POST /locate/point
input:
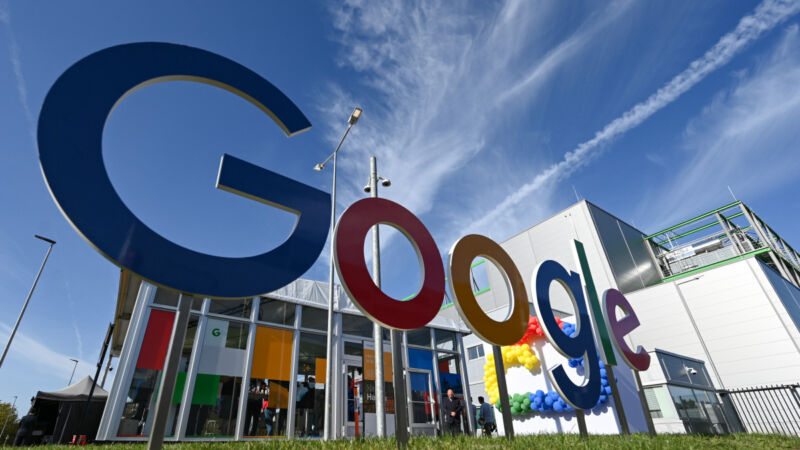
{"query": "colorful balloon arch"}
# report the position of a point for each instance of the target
(521, 354)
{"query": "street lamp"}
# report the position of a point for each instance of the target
(25, 305)
(329, 431)
(73, 371)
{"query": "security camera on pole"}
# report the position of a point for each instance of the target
(377, 331)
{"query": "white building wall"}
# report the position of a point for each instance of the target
(553, 239)
(729, 317)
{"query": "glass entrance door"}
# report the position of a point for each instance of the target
(353, 386)
(422, 402)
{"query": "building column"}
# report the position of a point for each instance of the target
(126, 364)
(191, 373)
(244, 389)
(462, 360)
(293, 373)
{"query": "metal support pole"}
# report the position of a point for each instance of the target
(623, 419)
(724, 225)
(464, 382)
(756, 224)
(69, 383)
(400, 404)
(505, 406)
(170, 373)
(28, 299)
(580, 416)
(380, 395)
(649, 247)
(651, 428)
(105, 372)
(100, 361)
(329, 431)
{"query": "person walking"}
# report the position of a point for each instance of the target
(27, 424)
(486, 418)
(452, 408)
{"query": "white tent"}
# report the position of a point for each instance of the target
(75, 392)
(67, 412)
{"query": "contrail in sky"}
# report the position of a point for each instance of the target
(766, 16)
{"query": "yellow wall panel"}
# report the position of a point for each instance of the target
(272, 354)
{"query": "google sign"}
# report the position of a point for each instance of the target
(361, 216)
(70, 152)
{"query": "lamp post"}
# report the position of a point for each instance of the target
(25, 305)
(73, 371)
(329, 431)
(377, 331)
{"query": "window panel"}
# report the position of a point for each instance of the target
(445, 340)
(234, 308)
(314, 318)
(311, 383)
(135, 421)
(420, 337)
(215, 399)
(356, 325)
(276, 311)
(270, 376)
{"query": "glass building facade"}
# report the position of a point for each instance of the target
(256, 368)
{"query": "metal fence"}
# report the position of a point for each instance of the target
(767, 409)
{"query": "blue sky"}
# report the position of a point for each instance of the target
(486, 116)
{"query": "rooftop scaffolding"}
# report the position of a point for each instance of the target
(726, 234)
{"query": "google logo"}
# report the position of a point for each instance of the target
(69, 135)
(362, 215)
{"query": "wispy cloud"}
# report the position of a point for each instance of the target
(16, 65)
(41, 358)
(75, 328)
(766, 16)
(747, 136)
(438, 79)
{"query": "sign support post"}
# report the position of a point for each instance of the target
(170, 375)
(400, 405)
(508, 423)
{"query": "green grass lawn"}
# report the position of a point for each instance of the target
(552, 441)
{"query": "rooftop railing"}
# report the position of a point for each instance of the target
(729, 233)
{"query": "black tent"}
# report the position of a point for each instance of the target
(63, 413)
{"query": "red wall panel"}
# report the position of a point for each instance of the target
(156, 340)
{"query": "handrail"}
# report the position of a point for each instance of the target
(695, 230)
(695, 219)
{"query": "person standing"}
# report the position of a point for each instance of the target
(24, 435)
(452, 408)
(486, 418)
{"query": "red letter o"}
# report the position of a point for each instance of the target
(350, 234)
